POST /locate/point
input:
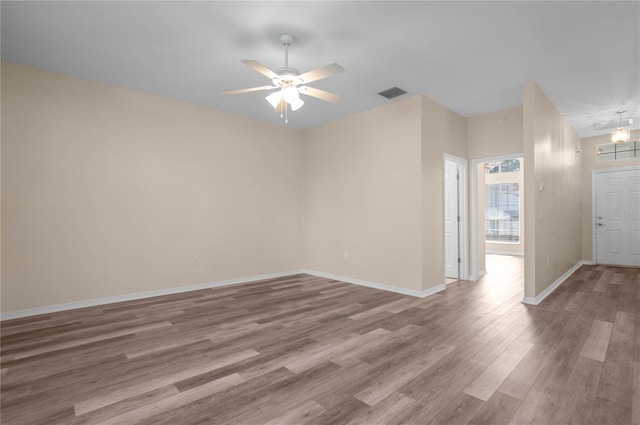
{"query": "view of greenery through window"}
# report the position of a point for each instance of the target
(502, 201)
(506, 166)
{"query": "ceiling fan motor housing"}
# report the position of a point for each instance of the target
(287, 77)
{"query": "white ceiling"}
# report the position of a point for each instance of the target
(472, 57)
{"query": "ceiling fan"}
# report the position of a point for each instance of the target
(290, 83)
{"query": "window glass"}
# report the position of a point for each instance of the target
(502, 214)
(617, 151)
(505, 166)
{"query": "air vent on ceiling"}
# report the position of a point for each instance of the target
(392, 92)
(628, 122)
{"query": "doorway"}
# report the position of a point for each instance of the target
(455, 218)
(616, 217)
(497, 209)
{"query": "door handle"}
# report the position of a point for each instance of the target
(599, 224)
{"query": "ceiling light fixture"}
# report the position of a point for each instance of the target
(289, 82)
(621, 134)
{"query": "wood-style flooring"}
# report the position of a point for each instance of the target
(307, 350)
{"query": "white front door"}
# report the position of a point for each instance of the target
(617, 218)
(451, 214)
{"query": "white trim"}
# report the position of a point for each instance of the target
(140, 295)
(594, 252)
(376, 285)
(475, 274)
(482, 272)
(594, 213)
(199, 286)
(519, 254)
(464, 215)
(544, 294)
(500, 157)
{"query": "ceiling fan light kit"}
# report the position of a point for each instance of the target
(621, 134)
(290, 82)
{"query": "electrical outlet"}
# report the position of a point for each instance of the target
(196, 260)
(346, 255)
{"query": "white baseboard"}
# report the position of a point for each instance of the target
(544, 294)
(375, 285)
(474, 278)
(196, 287)
(140, 295)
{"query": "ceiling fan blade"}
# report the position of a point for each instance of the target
(320, 73)
(257, 66)
(250, 90)
(320, 94)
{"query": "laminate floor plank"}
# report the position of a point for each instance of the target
(536, 409)
(300, 415)
(595, 347)
(384, 411)
(385, 386)
(459, 411)
(102, 400)
(616, 381)
(498, 410)
(174, 401)
(555, 373)
(124, 406)
(635, 408)
(308, 350)
(579, 394)
(492, 377)
(520, 381)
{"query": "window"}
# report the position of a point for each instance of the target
(618, 151)
(506, 166)
(502, 215)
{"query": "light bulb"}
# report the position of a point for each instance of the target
(621, 134)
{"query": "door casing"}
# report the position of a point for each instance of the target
(464, 215)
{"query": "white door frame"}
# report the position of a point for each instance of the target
(463, 207)
(475, 238)
(594, 173)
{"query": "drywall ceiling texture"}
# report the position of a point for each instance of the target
(108, 192)
(471, 57)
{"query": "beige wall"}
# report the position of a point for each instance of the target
(443, 132)
(589, 164)
(362, 198)
(553, 241)
(373, 203)
(495, 134)
(107, 192)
